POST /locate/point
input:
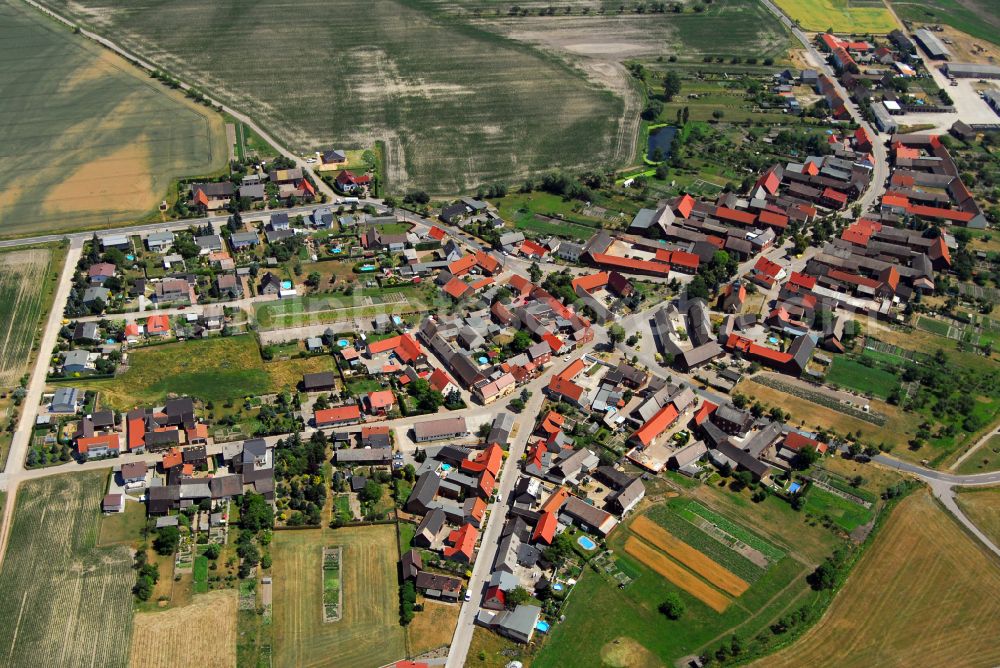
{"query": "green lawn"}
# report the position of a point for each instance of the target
(406, 532)
(845, 514)
(363, 386)
(986, 458)
(213, 369)
(201, 574)
(933, 326)
(846, 372)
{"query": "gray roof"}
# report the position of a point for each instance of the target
(95, 293)
(76, 358)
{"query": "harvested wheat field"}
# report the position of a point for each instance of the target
(22, 298)
(659, 537)
(679, 576)
(200, 634)
(925, 594)
(432, 627)
(89, 139)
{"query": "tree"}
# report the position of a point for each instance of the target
(372, 492)
(521, 341)
(256, 513)
(167, 539)
(805, 458)
(535, 272)
(671, 85)
(672, 606)
(517, 596)
(212, 551)
(616, 333)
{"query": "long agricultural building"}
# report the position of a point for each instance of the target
(971, 71)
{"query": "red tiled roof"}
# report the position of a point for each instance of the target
(487, 482)
(593, 281)
(572, 370)
(381, 399)
(456, 288)
(478, 509)
(172, 458)
(136, 433)
(338, 414)
(939, 249)
(489, 460)
(627, 263)
(684, 206)
(657, 424)
(552, 423)
(157, 324)
(807, 282)
(856, 236)
(83, 445)
(735, 342)
(521, 284)
(462, 265)
(835, 195)
(529, 247)
(706, 409)
(463, 541)
(565, 388)
(773, 219)
(735, 215)
(555, 501)
(943, 214)
(555, 343)
(481, 283)
(439, 380)
(795, 441)
(854, 279)
(404, 346)
(767, 267)
(487, 262)
(436, 232)
(545, 530)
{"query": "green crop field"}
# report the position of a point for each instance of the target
(88, 139)
(27, 286)
(979, 18)
(64, 601)
(368, 633)
(843, 16)
(854, 375)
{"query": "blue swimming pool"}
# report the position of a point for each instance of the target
(557, 587)
(446, 467)
(335, 251)
(286, 285)
(343, 343)
(542, 626)
(773, 341)
(483, 360)
(794, 487)
(586, 543)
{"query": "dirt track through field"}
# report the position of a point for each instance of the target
(659, 537)
(659, 562)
